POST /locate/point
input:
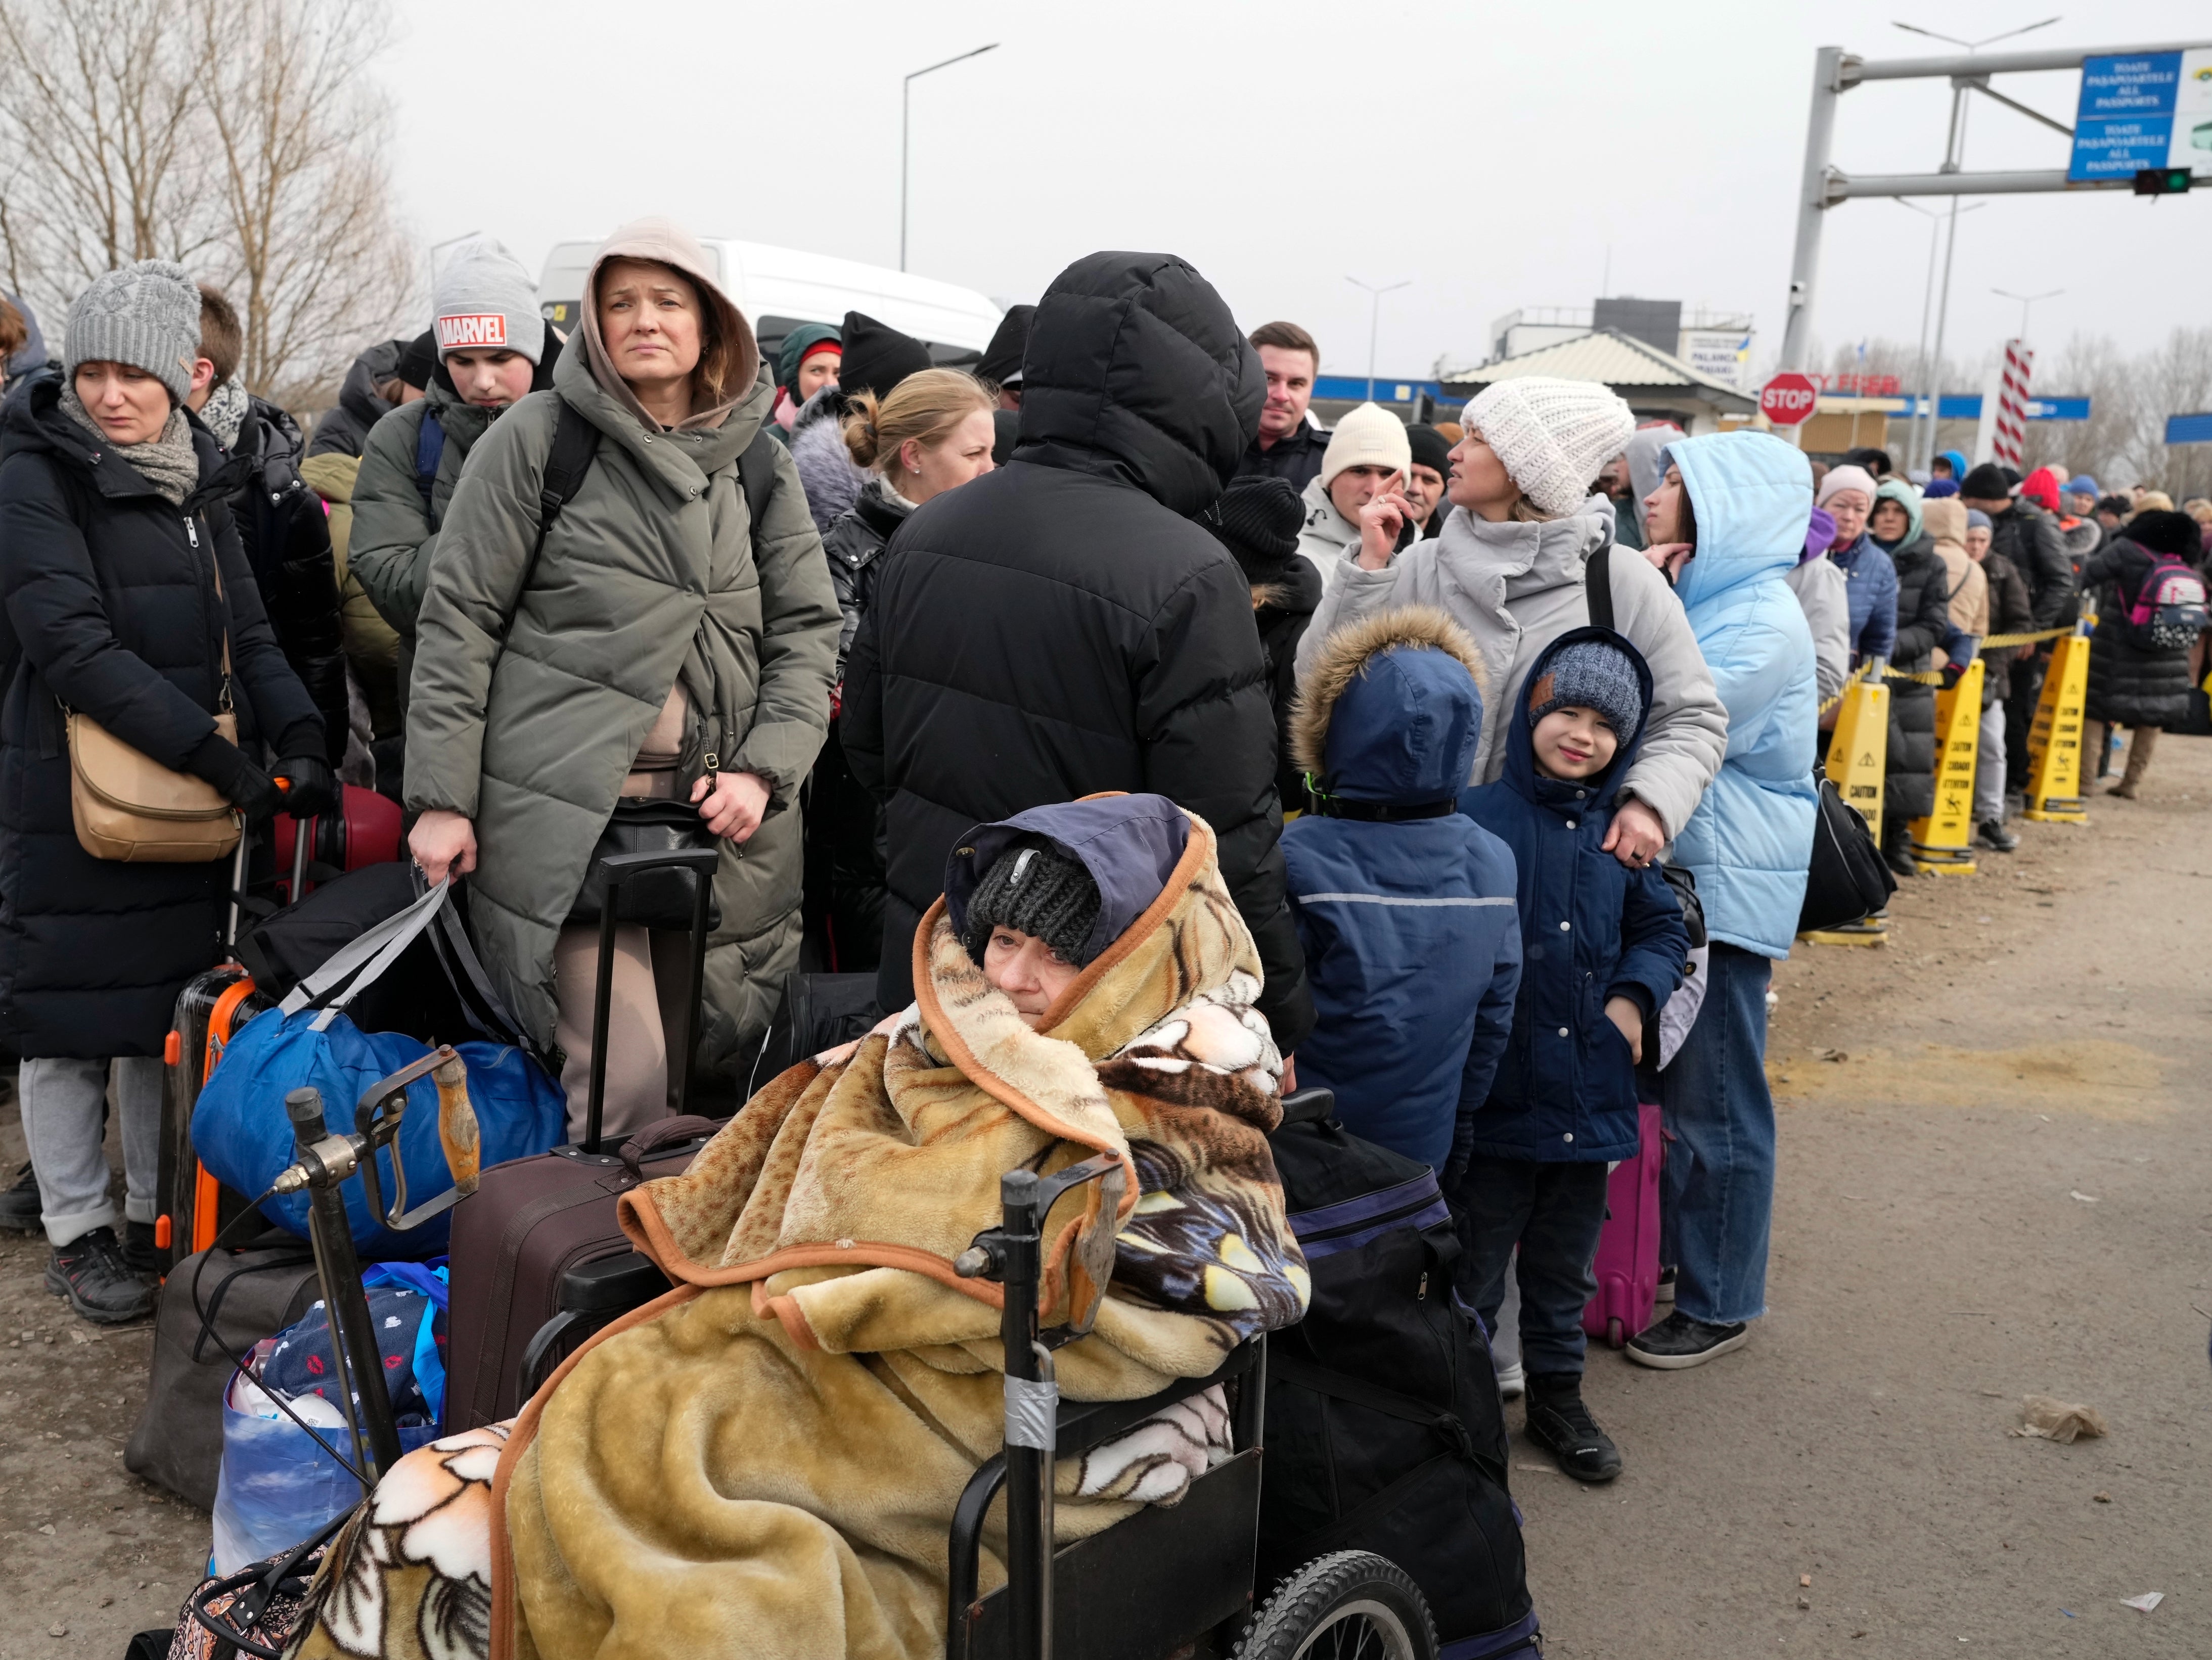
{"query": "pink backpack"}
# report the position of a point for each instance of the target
(2169, 608)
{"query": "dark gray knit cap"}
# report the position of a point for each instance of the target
(1591, 675)
(146, 315)
(1034, 889)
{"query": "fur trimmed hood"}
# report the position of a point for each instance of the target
(1407, 734)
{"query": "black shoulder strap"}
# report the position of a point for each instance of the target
(757, 477)
(1597, 586)
(575, 442)
(429, 450)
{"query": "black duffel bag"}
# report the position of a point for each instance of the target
(818, 1012)
(1848, 880)
(655, 899)
(1384, 1429)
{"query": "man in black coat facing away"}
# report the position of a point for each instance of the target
(1062, 627)
(2023, 533)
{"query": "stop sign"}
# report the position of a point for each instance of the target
(1787, 399)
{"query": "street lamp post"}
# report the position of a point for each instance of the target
(1374, 316)
(906, 101)
(2026, 300)
(1930, 370)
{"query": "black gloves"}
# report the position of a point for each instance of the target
(225, 766)
(310, 786)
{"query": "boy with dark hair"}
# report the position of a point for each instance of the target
(1602, 949)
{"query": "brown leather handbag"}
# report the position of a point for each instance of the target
(128, 807)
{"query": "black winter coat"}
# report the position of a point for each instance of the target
(2130, 684)
(1297, 457)
(2029, 538)
(1281, 609)
(1060, 626)
(110, 606)
(2011, 612)
(1923, 618)
(286, 536)
(854, 545)
(344, 430)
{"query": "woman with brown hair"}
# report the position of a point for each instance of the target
(930, 433)
(652, 640)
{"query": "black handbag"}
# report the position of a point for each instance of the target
(655, 899)
(1848, 880)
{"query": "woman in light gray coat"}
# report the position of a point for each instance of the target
(662, 643)
(1509, 569)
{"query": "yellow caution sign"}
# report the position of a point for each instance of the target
(1859, 752)
(1940, 841)
(2054, 742)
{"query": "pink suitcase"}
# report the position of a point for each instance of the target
(1628, 1250)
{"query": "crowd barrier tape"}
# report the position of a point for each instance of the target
(1942, 842)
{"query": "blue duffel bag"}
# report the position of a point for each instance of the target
(241, 1134)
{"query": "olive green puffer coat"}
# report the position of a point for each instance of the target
(652, 574)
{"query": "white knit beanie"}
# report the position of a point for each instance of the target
(1370, 436)
(484, 301)
(1552, 435)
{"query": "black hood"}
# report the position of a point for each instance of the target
(357, 393)
(1136, 369)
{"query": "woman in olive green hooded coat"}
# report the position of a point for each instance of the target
(663, 645)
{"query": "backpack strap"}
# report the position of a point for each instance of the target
(1597, 587)
(575, 442)
(756, 477)
(429, 451)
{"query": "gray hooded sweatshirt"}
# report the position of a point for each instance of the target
(1518, 587)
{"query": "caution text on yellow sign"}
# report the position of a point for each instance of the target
(1859, 752)
(1940, 841)
(2054, 742)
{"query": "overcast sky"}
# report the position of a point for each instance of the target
(1497, 154)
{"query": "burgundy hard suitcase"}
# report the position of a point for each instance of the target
(1627, 1265)
(531, 1221)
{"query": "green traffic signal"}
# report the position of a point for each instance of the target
(2162, 181)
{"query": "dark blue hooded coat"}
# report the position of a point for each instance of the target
(1407, 924)
(1592, 928)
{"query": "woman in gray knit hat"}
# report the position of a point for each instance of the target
(132, 603)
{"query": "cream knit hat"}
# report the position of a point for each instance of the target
(1552, 435)
(1370, 436)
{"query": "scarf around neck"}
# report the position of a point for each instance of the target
(169, 463)
(225, 412)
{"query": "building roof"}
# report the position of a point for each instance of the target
(1627, 365)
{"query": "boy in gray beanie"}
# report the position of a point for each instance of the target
(489, 333)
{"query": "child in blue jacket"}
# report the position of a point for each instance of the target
(1404, 906)
(1602, 949)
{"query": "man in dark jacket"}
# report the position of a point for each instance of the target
(1287, 444)
(2024, 534)
(281, 522)
(372, 389)
(1060, 627)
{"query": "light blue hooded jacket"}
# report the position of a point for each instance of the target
(1751, 839)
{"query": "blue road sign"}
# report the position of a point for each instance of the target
(1967, 406)
(2188, 428)
(2153, 110)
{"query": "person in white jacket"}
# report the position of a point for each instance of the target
(1509, 568)
(1368, 454)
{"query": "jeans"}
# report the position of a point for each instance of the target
(1716, 1195)
(1554, 1213)
(1990, 766)
(63, 1122)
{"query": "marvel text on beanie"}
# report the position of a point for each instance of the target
(484, 301)
(1552, 436)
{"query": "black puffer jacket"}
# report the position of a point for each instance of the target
(2130, 683)
(854, 545)
(361, 406)
(1060, 627)
(1282, 607)
(2029, 538)
(1923, 588)
(286, 536)
(110, 606)
(2011, 612)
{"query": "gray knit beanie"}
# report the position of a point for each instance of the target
(1591, 675)
(146, 315)
(1036, 890)
(484, 301)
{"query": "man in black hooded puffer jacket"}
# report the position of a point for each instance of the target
(1062, 627)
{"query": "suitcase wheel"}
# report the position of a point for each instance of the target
(1616, 1333)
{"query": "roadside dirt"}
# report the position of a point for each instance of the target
(1995, 1181)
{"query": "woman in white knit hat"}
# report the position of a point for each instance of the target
(1369, 455)
(1509, 568)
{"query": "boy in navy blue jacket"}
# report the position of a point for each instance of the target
(1602, 948)
(1404, 905)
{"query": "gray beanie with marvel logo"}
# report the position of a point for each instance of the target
(486, 301)
(146, 316)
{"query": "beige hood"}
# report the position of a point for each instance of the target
(667, 243)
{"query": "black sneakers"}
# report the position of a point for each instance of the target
(19, 1203)
(1666, 1292)
(1560, 1423)
(1679, 1342)
(1993, 834)
(89, 1270)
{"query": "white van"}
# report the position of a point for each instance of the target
(779, 287)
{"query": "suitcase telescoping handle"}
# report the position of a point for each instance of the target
(614, 870)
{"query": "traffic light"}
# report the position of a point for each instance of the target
(2162, 181)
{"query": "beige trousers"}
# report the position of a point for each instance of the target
(645, 1014)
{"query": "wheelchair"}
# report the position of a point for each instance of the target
(1168, 1581)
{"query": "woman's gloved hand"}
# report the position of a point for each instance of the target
(309, 785)
(225, 766)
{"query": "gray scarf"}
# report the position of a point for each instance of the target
(169, 463)
(225, 412)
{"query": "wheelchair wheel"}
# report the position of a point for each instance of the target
(1349, 1605)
